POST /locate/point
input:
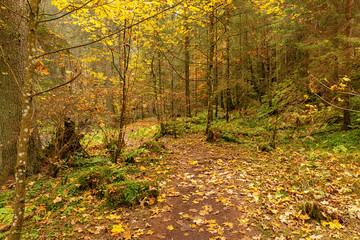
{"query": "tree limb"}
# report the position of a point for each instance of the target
(111, 34)
(65, 14)
(324, 85)
(60, 85)
(335, 106)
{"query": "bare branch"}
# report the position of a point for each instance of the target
(172, 66)
(65, 14)
(335, 106)
(324, 85)
(60, 85)
(111, 34)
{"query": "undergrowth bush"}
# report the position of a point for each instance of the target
(129, 157)
(130, 193)
(6, 214)
(153, 146)
(144, 132)
(97, 179)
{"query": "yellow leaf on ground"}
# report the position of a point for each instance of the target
(193, 162)
(170, 227)
(228, 224)
(117, 229)
(113, 216)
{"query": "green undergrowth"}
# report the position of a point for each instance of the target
(337, 141)
(90, 187)
(145, 132)
(265, 131)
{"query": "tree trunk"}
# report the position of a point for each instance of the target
(172, 96)
(109, 99)
(124, 58)
(216, 80)
(347, 119)
(269, 76)
(196, 93)
(229, 104)
(13, 55)
(13, 43)
(210, 72)
(25, 128)
(187, 66)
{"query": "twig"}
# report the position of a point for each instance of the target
(324, 85)
(60, 85)
(75, 9)
(172, 66)
(335, 106)
(13, 11)
(112, 34)
(7, 64)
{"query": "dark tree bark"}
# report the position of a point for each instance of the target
(187, 66)
(209, 78)
(13, 42)
(229, 103)
(348, 31)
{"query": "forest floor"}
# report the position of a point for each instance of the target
(204, 197)
(207, 190)
(220, 191)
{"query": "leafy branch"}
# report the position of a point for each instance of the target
(111, 34)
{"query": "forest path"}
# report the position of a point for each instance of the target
(203, 197)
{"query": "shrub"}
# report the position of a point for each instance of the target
(96, 178)
(129, 193)
(153, 146)
(130, 157)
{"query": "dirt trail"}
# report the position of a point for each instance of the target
(204, 196)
